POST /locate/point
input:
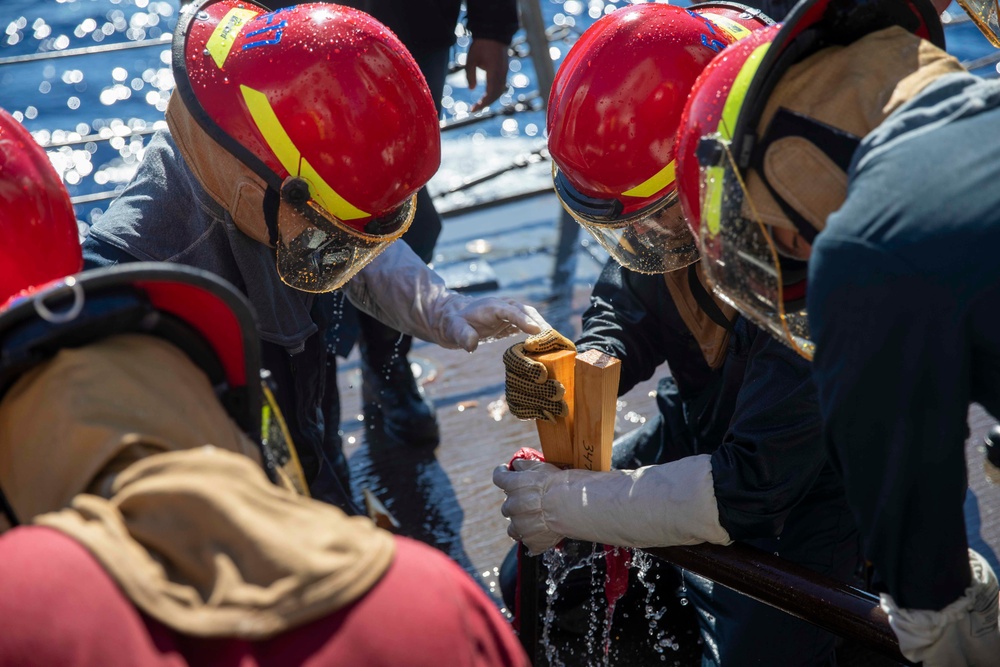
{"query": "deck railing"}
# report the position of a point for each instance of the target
(844, 610)
(841, 609)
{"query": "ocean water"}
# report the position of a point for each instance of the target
(93, 104)
(94, 110)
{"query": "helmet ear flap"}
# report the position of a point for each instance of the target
(803, 163)
(231, 183)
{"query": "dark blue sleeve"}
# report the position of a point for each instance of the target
(632, 317)
(492, 19)
(98, 253)
(892, 369)
(773, 452)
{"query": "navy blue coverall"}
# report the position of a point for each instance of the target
(755, 411)
(904, 306)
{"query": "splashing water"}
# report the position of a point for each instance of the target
(611, 637)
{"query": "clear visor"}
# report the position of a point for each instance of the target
(653, 240)
(277, 446)
(318, 253)
(741, 260)
(986, 14)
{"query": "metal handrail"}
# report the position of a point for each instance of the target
(499, 201)
(526, 103)
(97, 196)
(844, 610)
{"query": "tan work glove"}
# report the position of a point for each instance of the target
(531, 394)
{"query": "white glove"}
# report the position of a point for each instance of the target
(398, 289)
(965, 633)
(655, 506)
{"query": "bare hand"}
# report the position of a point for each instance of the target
(490, 56)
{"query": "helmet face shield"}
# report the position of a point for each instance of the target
(276, 443)
(613, 112)
(740, 258)
(345, 144)
(759, 127)
(318, 253)
(655, 239)
(986, 14)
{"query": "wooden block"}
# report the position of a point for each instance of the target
(595, 400)
(557, 438)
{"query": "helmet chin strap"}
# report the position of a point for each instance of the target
(272, 201)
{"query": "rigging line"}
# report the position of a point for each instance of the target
(982, 61)
(515, 49)
(97, 196)
(99, 137)
(87, 50)
(521, 161)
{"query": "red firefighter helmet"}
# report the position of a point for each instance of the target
(328, 108)
(615, 105)
(720, 149)
(41, 239)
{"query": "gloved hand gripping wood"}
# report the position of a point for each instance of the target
(531, 393)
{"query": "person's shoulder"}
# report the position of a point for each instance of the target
(946, 100)
(42, 566)
(52, 587)
(417, 559)
(38, 548)
(439, 603)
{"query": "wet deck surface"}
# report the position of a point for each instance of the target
(444, 496)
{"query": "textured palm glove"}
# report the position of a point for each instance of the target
(655, 506)
(399, 290)
(531, 394)
(963, 633)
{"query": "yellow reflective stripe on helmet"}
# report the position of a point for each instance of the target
(654, 183)
(291, 159)
(738, 92)
(711, 195)
(728, 26)
(224, 35)
(711, 198)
